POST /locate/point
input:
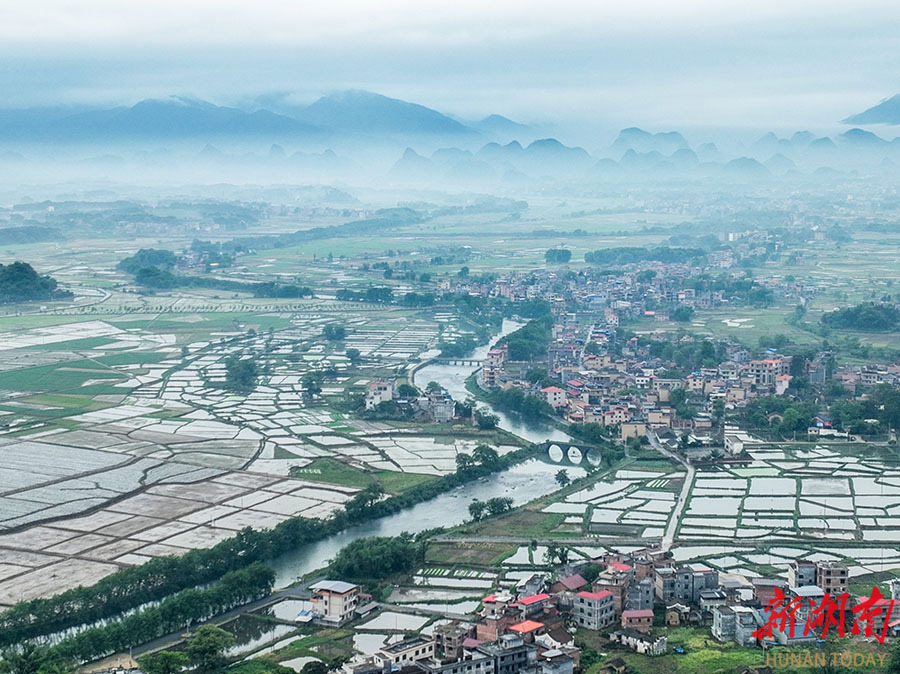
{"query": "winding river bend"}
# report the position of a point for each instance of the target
(453, 378)
(522, 483)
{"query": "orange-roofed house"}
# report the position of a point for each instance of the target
(528, 629)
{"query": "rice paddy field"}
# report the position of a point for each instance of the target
(119, 441)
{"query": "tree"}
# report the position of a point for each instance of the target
(464, 462)
(433, 387)
(556, 553)
(334, 333)
(718, 410)
(535, 375)
(682, 314)
(485, 420)
(486, 455)
(378, 557)
(312, 385)
(894, 661)
(240, 373)
(353, 355)
(185, 351)
(154, 277)
(148, 257)
(499, 504)
(464, 408)
(562, 477)
(407, 391)
(592, 349)
(206, 647)
(868, 316)
(363, 500)
(477, 509)
(314, 667)
(558, 255)
(28, 659)
(163, 662)
(590, 572)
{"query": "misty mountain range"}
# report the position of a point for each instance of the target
(636, 153)
(337, 130)
(176, 118)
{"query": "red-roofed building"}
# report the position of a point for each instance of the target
(640, 620)
(568, 584)
(555, 396)
(498, 614)
(621, 567)
(528, 629)
(528, 601)
(533, 605)
(594, 610)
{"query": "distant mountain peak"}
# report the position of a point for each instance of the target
(641, 141)
(362, 111)
(886, 112)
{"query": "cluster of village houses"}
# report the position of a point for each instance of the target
(530, 629)
(630, 391)
(622, 385)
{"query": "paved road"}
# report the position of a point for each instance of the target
(169, 639)
(669, 536)
(517, 540)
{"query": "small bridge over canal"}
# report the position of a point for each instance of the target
(571, 453)
(462, 362)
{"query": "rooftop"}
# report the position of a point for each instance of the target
(405, 645)
(533, 599)
(338, 586)
(595, 595)
(526, 626)
(573, 582)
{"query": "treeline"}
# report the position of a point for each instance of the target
(19, 282)
(516, 400)
(30, 234)
(463, 346)
(558, 255)
(154, 580)
(146, 258)
(867, 317)
(384, 295)
(366, 504)
(531, 340)
(179, 611)
(278, 290)
(632, 254)
(154, 277)
(386, 218)
(377, 295)
(379, 557)
(152, 268)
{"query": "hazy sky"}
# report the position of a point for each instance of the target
(782, 64)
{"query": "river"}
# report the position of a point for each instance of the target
(523, 483)
(453, 378)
